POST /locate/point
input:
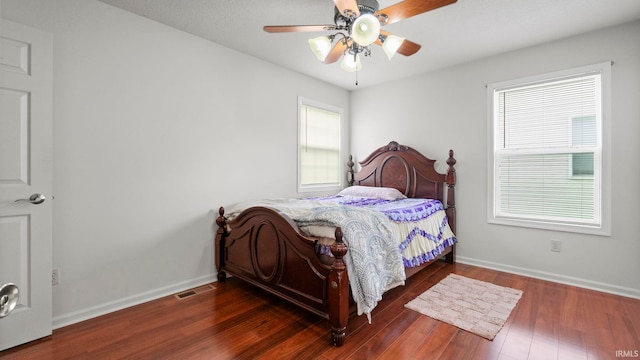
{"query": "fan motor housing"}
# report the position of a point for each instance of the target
(365, 7)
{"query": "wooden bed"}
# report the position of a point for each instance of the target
(266, 248)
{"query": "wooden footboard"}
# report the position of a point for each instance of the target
(264, 247)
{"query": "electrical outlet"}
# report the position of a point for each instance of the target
(55, 276)
(556, 245)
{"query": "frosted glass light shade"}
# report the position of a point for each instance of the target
(391, 44)
(365, 30)
(320, 46)
(350, 64)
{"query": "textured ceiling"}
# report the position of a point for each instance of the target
(457, 33)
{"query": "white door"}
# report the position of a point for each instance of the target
(25, 169)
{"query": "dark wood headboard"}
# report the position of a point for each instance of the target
(413, 174)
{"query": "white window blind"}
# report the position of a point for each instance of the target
(319, 146)
(547, 151)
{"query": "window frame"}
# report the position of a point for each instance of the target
(604, 171)
(325, 187)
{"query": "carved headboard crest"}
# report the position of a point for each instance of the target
(394, 146)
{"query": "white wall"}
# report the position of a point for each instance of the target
(447, 109)
(154, 129)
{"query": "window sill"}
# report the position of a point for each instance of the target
(544, 225)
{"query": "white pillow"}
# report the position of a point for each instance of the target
(371, 192)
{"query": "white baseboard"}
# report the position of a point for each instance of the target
(562, 279)
(119, 304)
(95, 311)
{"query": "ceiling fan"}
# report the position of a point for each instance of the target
(358, 24)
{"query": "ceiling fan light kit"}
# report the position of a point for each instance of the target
(320, 46)
(365, 30)
(351, 63)
(391, 44)
(358, 23)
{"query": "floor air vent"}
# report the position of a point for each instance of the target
(194, 291)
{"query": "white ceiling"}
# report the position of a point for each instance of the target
(457, 33)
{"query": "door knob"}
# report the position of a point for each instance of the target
(9, 295)
(34, 199)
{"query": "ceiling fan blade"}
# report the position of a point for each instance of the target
(297, 28)
(348, 8)
(408, 8)
(407, 48)
(336, 52)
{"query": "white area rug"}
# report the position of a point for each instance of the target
(472, 305)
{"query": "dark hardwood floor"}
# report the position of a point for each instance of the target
(235, 321)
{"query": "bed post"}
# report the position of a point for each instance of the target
(451, 203)
(221, 233)
(350, 173)
(338, 294)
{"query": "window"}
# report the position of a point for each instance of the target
(548, 151)
(319, 146)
